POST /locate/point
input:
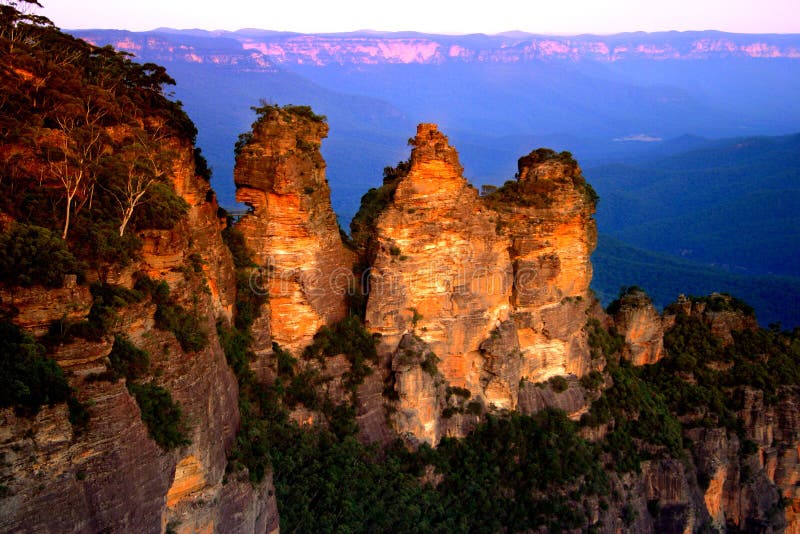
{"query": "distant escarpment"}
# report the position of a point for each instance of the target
(263, 50)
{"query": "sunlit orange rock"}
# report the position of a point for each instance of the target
(292, 230)
(457, 270)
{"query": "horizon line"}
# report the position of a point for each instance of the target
(505, 33)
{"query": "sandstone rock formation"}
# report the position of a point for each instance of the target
(292, 230)
(639, 322)
(495, 287)
(110, 475)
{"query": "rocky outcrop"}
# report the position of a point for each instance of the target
(638, 321)
(495, 287)
(572, 399)
(292, 229)
(35, 308)
(722, 313)
(547, 216)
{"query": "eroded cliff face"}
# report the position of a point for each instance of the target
(292, 230)
(110, 475)
(552, 235)
(264, 52)
(496, 288)
(638, 321)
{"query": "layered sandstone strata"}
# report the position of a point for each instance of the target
(305, 268)
(639, 322)
(495, 287)
(110, 475)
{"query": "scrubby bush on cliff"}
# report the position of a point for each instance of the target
(602, 342)
(265, 109)
(348, 337)
(538, 193)
(102, 319)
(639, 414)
(128, 360)
(32, 255)
(161, 414)
(161, 209)
(187, 327)
(719, 302)
(624, 293)
(249, 295)
(28, 379)
(702, 378)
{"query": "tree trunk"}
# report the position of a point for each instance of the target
(66, 220)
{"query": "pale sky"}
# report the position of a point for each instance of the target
(432, 16)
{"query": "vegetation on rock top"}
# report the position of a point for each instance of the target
(539, 193)
(266, 110)
(374, 202)
(88, 140)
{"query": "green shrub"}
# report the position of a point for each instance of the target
(558, 383)
(285, 360)
(592, 381)
(235, 241)
(201, 167)
(78, 413)
(32, 255)
(249, 300)
(236, 346)
(161, 209)
(538, 193)
(303, 111)
(157, 290)
(719, 302)
(428, 364)
(128, 360)
(602, 342)
(348, 337)
(187, 327)
(464, 393)
(161, 414)
(475, 408)
(172, 317)
(625, 291)
(301, 389)
(28, 379)
(374, 202)
(106, 300)
(416, 317)
(62, 331)
(640, 413)
(95, 239)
